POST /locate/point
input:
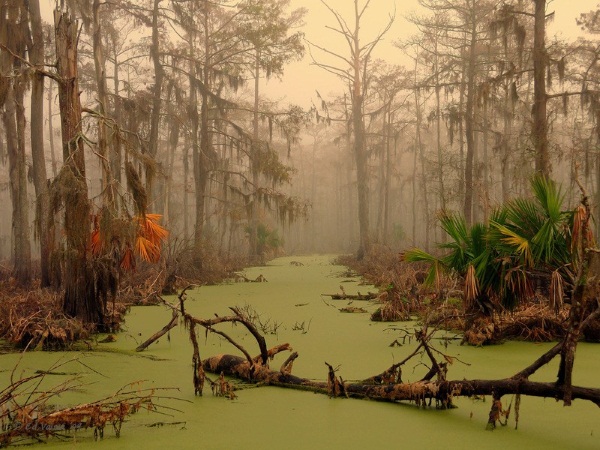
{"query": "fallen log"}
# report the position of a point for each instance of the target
(359, 296)
(420, 392)
(388, 385)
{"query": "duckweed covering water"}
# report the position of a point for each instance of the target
(291, 308)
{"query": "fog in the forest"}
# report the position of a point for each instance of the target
(260, 127)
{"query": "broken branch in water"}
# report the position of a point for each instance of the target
(160, 333)
(27, 414)
(387, 386)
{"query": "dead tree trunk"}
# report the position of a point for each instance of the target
(79, 299)
(37, 142)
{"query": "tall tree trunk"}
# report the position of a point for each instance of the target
(469, 124)
(461, 130)
(420, 153)
(486, 162)
(388, 180)
(116, 153)
(540, 119)
(174, 134)
(108, 186)
(156, 102)
(37, 142)
(80, 298)
(438, 131)
(506, 145)
(186, 176)
(255, 149)
(382, 173)
(360, 148)
(18, 186)
(201, 148)
(51, 132)
(12, 37)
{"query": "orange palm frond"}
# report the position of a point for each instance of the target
(151, 230)
(128, 260)
(96, 243)
(147, 250)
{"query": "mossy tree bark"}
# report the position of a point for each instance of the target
(80, 299)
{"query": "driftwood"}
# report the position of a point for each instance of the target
(241, 278)
(420, 392)
(172, 324)
(433, 388)
(358, 296)
(28, 414)
(388, 386)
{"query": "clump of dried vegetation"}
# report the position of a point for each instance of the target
(405, 296)
(33, 318)
(29, 413)
(402, 293)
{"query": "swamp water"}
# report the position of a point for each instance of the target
(291, 307)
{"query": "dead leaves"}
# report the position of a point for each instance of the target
(27, 413)
(142, 236)
(497, 413)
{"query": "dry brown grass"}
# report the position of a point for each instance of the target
(404, 296)
(34, 319)
(29, 414)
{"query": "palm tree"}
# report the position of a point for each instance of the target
(527, 241)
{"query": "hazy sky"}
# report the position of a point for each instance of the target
(301, 79)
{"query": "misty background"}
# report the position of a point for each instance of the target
(298, 193)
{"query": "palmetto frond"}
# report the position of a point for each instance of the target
(151, 230)
(150, 237)
(436, 265)
(511, 242)
(96, 242)
(525, 237)
(549, 196)
(458, 255)
(147, 250)
(128, 259)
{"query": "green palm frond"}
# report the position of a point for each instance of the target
(458, 246)
(525, 215)
(455, 226)
(512, 242)
(549, 197)
(418, 255)
(498, 215)
(497, 260)
(478, 242)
